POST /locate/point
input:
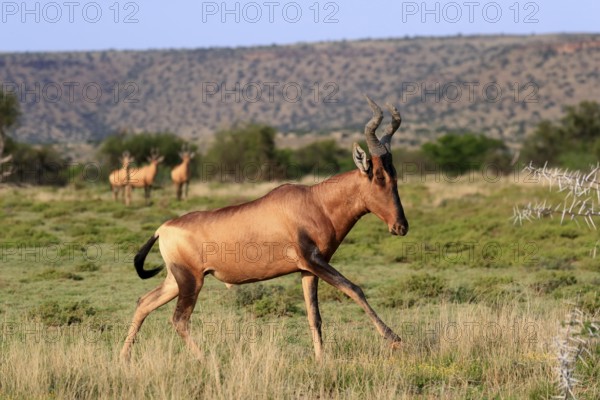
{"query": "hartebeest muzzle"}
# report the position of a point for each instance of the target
(399, 229)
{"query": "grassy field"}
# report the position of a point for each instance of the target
(477, 300)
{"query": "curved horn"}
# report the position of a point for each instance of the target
(375, 146)
(386, 139)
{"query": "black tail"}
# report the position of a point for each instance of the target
(140, 257)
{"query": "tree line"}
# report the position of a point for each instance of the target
(247, 151)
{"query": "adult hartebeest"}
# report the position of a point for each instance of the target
(119, 178)
(180, 175)
(144, 177)
(294, 228)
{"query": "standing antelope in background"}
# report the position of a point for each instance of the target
(293, 228)
(144, 177)
(120, 178)
(181, 173)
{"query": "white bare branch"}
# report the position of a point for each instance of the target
(578, 332)
(582, 195)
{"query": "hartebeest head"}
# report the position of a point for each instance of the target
(126, 160)
(380, 187)
(186, 154)
(155, 157)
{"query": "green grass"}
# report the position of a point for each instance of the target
(68, 290)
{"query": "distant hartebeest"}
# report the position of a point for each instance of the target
(119, 178)
(180, 175)
(144, 177)
(294, 228)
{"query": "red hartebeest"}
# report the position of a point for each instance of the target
(144, 177)
(294, 228)
(119, 178)
(180, 175)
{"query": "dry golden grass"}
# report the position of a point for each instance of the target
(450, 352)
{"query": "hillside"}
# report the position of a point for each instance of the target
(438, 84)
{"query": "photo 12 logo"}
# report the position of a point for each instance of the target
(270, 11)
(69, 11)
(469, 11)
(269, 92)
(469, 92)
(71, 92)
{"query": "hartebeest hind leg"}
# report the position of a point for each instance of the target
(189, 289)
(309, 287)
(160, 296)
(323, 270)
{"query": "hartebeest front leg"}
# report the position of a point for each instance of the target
(323, 270)
(158, 297)
(178, 188)
(127, 194)
(309, 287)
(147, 190)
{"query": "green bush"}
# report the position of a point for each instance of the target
(554, 282)
(245, 153)
(264, 301)
(36, 165)
(462, 153)
(52, 273)
(87, 267)
(324, 157)
(411, 162)
(572, 142)
(417, 289)
(495, 290)
(52, 313)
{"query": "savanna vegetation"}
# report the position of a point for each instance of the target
(478, 301)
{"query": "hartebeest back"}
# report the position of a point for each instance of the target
(294, 228)
(119, 179)
(144, 177)
(180, 175)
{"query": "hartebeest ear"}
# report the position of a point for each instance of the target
(360, 159)
(160, 159)
(192, 154)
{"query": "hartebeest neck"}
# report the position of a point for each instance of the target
(341, 199)
(153, 167)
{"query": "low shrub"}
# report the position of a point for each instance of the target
(52, 313)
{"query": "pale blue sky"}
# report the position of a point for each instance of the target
(89, 25)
